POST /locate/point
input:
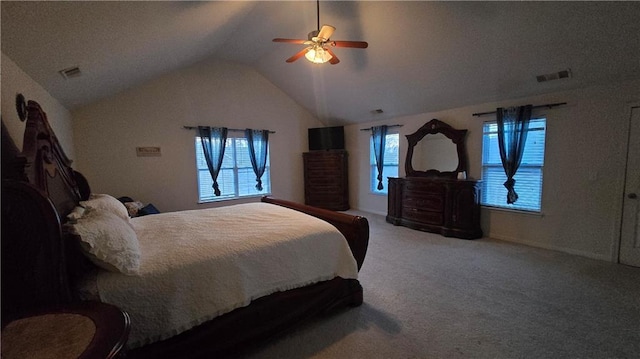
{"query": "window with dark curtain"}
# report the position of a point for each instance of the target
(513, 126)
(379, 134)
(258, 141)
(213, 141)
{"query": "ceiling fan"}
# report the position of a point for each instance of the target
(319, 44)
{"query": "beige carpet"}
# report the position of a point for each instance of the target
(427, 296)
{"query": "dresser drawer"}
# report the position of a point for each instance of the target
(323, 172)
(325, 191)
(325, 197)
(418, 215)
(335, 203)
(424, 202)
(417, 187)
(324, 161)
(323, 182)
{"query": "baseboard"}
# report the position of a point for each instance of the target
(591, 255)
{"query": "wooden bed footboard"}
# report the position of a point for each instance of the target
(354, 228)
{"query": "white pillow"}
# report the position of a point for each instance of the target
(106, 202)
(108, 240)
(75, 214)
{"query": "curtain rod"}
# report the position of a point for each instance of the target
(228, 129)
(549, 105)
(369, 129)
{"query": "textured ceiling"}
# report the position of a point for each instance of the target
(422, 56)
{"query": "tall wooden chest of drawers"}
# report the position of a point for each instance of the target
(450, 207)
(326, 183)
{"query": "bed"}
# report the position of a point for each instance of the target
(44, 267)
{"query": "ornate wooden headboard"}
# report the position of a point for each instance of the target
(39, 189)
(48, 167)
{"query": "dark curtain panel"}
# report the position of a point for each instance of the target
(258, 145)
(513, 126)
(213, 141)
(379, 133)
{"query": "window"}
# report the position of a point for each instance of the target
(390, 163)
(529, 176)
(236, 178)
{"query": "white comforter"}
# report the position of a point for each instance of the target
(199, 264)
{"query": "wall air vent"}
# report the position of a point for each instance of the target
(564, 74)
(70, 72)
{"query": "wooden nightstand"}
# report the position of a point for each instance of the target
(86, 330)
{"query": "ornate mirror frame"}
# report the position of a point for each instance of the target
(434, 127)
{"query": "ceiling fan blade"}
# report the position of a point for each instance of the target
(356, 44)
(326, 31)
(334, 59)
(298, 55)
(289, 41)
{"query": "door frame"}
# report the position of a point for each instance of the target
(630, 106)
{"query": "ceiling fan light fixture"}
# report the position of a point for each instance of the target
(318, 55)
(316, 50)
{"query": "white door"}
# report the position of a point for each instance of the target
(630, 234)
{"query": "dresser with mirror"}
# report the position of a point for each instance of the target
(436, 195)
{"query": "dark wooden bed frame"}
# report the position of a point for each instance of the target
(41, 263)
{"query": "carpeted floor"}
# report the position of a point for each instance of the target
(427, 296)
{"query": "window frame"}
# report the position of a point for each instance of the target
(523, 166)
(235, 170)
(373, 170)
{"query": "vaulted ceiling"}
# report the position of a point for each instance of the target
(422, 56)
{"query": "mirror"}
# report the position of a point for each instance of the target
(436, 150)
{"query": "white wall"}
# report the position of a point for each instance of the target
(210, 93)
(585, 161)
(15, 81)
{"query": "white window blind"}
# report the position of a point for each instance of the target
(236, 178)
(390, 168)
(529, 176)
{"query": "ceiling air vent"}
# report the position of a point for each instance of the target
(70, 72)
(564, 74)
